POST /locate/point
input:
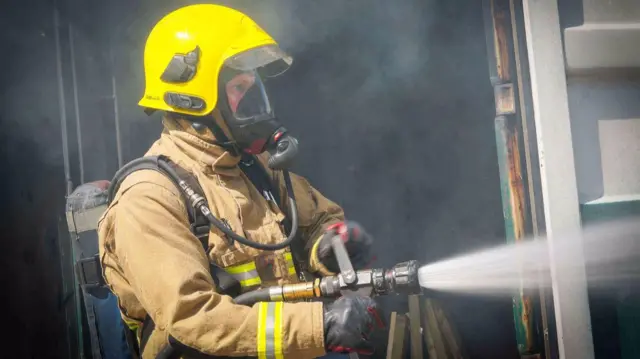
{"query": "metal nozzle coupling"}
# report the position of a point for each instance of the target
(293, 292)
(405, 276)
(402, 278)
(195, 199)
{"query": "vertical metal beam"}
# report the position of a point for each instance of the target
(76, 104)
(532, 171)
(110, 10)
(513, 175)
(61, 103)
(557, 171)
(116, 117)
(68, 286)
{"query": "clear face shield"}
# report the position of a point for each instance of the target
(245, 105)
(246, 94)
(247, 97)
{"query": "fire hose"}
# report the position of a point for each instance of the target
(402, 278)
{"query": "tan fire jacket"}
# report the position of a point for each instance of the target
(155, 265)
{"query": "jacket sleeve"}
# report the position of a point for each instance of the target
(315, 213)
(168, 270)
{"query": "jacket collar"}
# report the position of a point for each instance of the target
(186, 145)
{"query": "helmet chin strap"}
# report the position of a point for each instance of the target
(221, 138)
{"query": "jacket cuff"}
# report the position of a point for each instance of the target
(306, 332)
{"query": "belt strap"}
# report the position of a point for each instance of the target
(132, 341)
(147, 328)
(89, 272)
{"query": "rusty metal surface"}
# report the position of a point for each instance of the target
(514, 207)
(531, 162)
(505, 99)
(501, 29)
(499, 22)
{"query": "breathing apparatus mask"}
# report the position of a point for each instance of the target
(245, 109)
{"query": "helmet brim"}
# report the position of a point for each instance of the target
(268, 60)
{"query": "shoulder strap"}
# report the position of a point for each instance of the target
(199, 224)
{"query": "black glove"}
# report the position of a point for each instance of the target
(356, 241)
(348, 323)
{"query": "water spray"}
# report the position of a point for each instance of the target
(610, 254)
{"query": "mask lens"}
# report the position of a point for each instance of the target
(247, 96)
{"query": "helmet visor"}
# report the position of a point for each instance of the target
(269, 60)
(246, 96)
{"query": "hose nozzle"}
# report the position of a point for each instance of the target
(402, 278)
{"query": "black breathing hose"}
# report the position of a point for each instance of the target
(247, 242)
(200, 203)
(252, 297)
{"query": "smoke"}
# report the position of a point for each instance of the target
(379, 44)
(391, 102)
(26, 88)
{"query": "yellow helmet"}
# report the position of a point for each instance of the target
(187, 49)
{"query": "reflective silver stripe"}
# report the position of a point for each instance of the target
(247, 279)
(246, 275)
(269, 329)
(269, 339)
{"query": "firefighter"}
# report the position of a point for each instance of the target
(204, 70)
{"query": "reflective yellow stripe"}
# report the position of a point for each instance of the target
(133, 325)
(269, 336)
(250, 282)
(241, 268)
(261, 334)
(246, 274)
(277, 333)
(290, 267)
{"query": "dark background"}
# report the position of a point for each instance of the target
(391, 102)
